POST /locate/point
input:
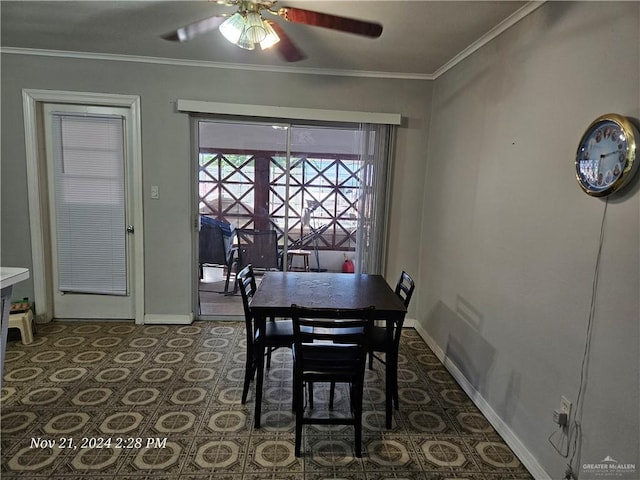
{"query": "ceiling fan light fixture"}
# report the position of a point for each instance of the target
(247, 26)
(254, 27)
(233, 27)
(272, 37)
(245, 42)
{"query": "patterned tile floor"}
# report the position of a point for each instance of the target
(117, 401)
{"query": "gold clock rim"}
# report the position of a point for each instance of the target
(631, 133)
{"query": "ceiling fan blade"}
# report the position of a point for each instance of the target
(344, 24)
(285, 47)
(188, 32)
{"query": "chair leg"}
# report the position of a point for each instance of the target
(298, 395)
(294, 400)
(226, 283)
(294, 395)
(332, 390)
(396, 401)
(358, 418)
(269, 349)
(235, 283)
(249, 372)
(358, 439)
(393, 364)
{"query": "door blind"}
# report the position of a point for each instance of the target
(90, 203)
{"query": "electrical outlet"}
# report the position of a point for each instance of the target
(565, 406)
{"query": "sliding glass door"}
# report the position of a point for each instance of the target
(318, 186)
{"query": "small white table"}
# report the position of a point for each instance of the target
(9, 276)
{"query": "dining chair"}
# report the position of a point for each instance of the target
(378, 337)
(277, 334)
(329, 346)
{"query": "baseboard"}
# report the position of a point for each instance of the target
(410, 323)
(162, 319)
(221, 318)
(523, 454)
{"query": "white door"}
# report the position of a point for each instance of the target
(90, 211)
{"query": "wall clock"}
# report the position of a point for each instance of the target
(607, 155)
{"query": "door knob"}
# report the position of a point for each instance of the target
(130, 229)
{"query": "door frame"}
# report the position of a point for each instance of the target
(32, 101)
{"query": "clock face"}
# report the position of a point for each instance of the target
(605, 160)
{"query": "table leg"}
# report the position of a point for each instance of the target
(259, 351)
(6, 309)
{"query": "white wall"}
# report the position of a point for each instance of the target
(509, 241)
(166, 151)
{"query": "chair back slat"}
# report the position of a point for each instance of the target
(405, 288)
(331, 340)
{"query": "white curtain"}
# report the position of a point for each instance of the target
(377, 145)
(89, 203)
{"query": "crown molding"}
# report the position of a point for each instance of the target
(507, 23)
(207, 64)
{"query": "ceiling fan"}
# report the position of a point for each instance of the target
(247, 27)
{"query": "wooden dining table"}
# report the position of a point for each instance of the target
(279, 290)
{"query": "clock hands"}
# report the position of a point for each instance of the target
(598, 179)
(597, 175)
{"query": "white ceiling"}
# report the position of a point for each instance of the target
(420, 38)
